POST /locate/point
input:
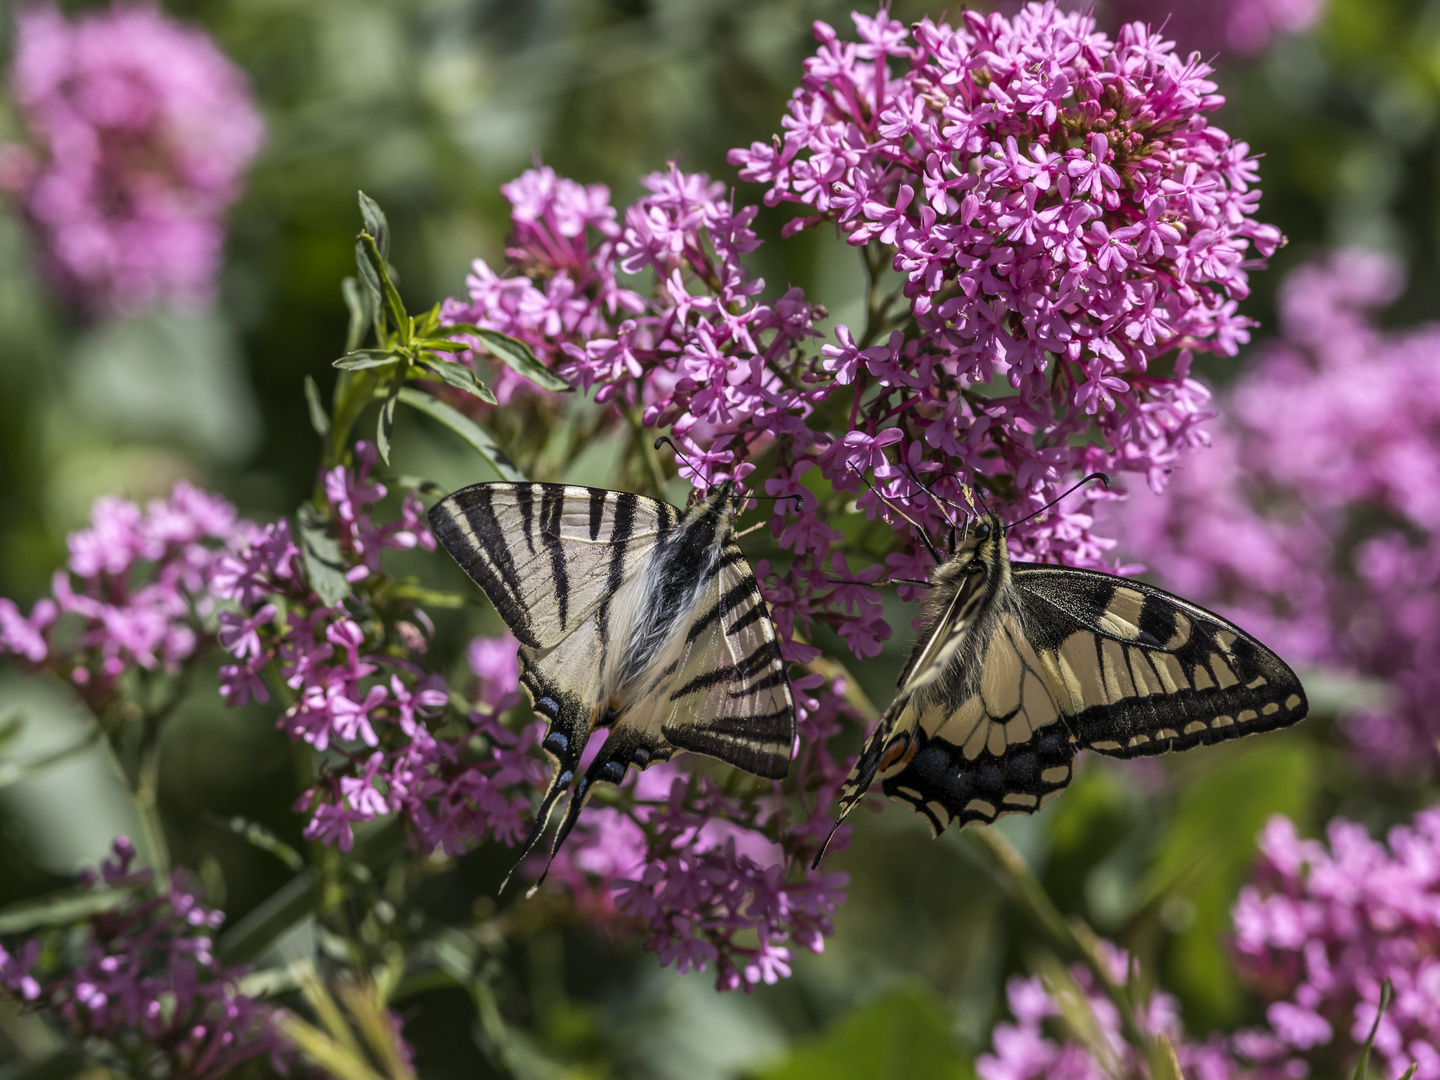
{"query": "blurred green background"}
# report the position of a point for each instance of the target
(429, 105)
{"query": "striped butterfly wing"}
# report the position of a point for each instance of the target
(564, 566)
(549, 555)
(1078, 659)
(1139, 671)
(988, 738)
(730, 696)
(718, 687)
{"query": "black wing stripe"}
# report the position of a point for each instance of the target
(552, 505)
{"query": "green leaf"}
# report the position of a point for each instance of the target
(435, 598)
(1164, 1062)
(467, 429)
(366, 358)
(429, 322)
(460, 377)
(441, 345)
(414, 483)
(902, 1035)
(372, 266)
(324, 564)
(375, 224)
(385, 426)
(517, 355)
(357, 301)
(373, 286)
(1362, 1066)
(319, 418)
(60, 908)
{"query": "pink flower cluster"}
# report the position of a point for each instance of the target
(710, 875)
(1058, 214)
(357, 689)
(1327, 541)
(141, 134)
(1320, 929)
(1228, 27)
(135, 593)
(142, 980)
(1023, 1050)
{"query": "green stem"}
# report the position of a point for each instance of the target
(353, 392)
(1074, 940)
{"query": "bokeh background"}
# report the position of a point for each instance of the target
(429, 106)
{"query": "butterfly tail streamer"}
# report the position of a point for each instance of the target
(578, 798)
(558, 786)
(878, 747)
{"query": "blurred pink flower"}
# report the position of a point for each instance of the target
(141, 131)
(1228, 28)
(1324, 924)
(1315, 520)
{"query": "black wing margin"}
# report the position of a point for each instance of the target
(1138, 671)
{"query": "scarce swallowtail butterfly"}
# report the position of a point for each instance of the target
(631, 615)
(1017, 667)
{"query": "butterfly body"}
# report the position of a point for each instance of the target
(632, 615)
(1018, 667)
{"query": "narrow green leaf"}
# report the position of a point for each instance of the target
(435, 598)
(252, 832)
(441, 345)
(11, 727)
(517, 355)
(357, 302)
(414, 483)
(1409, 1073)
(319, 418)
(1362, 1067)
(365, 358)
(429, 322)
(375, 224)
(368, 254)
(324, 563)
(59, 908)
(12, 772)
(467, 429)
(460, 377)
(385, 426)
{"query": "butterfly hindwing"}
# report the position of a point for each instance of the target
(1139, 671)
(989, 743)
(730, 697)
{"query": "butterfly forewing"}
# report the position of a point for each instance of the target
(548, 555)
(1139, 671)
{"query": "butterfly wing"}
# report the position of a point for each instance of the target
(549, 555)
(730, 697)
(718, 687)
(989, 738)
(1138, 671)
(563, 566)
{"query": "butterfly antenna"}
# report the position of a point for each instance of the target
(1102, 477)
(924, 537)
(968, 511)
